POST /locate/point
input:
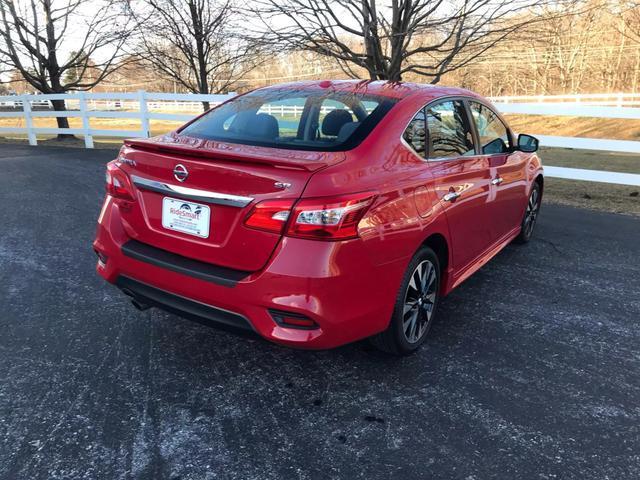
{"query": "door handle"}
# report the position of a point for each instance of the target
(497, 181)
(451, 196)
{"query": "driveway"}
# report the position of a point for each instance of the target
(532, 370)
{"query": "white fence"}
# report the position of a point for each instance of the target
(602, 99)
(143, 107)
(138, 106)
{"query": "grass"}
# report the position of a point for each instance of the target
(157, 126)
(595, 196)
(599, 196)
(612, 128)
(591, 160)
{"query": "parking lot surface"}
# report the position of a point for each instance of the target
(532, 370)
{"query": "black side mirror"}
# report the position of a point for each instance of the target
(527, 143)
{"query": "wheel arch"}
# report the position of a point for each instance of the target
(540, 181)
(439, 244)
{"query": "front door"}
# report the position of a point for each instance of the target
(508, 182)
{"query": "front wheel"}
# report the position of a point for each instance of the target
(415, 306)
(530, 215)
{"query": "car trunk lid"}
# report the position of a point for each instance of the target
(221, 182)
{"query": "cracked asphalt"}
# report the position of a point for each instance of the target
(532, 370)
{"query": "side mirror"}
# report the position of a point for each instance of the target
(527, 143)
(495, 146)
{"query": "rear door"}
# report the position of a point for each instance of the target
(221, 189)
(462, 180)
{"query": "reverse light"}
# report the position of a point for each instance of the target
(334, 218)
(269, 215)
(117, 184)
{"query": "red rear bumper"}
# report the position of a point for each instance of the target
(333, 283)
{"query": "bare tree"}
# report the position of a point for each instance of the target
(630, 15)
(630, 28)
(194, 43)
(34, 34)
(563, 43)
(392, 38)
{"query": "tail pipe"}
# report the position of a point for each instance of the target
(135, 301)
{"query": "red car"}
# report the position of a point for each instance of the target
(319, 213)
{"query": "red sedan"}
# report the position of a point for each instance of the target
(319, 213)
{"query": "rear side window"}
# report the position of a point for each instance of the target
(296, 119)
(416, 135)
(449, 130)
(493, 134)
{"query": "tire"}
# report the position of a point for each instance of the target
(530, 215)
(409, 327)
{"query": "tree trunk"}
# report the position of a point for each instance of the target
(63, 122)
(394, 74)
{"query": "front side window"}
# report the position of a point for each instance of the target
(416, 135)
(449, 131)
(295, 119)
(493, 134)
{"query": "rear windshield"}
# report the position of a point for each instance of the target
(294, 119)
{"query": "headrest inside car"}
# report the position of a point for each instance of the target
(261, 125)
(334, 121)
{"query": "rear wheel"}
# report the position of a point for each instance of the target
(530, 215)
(415, 306)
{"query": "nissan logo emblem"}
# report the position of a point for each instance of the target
(180, 172)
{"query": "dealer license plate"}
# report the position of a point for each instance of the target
(186, 217)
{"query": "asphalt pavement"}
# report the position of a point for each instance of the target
(532, 370)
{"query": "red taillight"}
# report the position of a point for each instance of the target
(332, 218)
(270, 215)
(117, 183)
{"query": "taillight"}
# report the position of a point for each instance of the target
(269, 215)
(332, 218)
(117, 183)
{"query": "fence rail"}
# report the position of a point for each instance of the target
(602, 99)
(138, 106)
(145, 107)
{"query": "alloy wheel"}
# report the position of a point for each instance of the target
(419, 301)
(531, 215)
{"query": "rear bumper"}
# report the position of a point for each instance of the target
(151, 296)
(335, 284)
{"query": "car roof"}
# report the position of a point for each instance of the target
(397, 90)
